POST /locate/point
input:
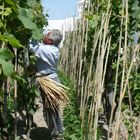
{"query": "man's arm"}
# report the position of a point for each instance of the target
(40, 51)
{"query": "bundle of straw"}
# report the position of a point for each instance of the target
(55, 93)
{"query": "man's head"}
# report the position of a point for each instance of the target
(52, 37)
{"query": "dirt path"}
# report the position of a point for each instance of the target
(40, 132)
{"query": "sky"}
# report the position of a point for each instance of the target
(59, 9)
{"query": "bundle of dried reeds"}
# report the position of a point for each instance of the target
(55, 93)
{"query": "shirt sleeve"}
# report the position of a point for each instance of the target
(33, 46)
(38, 50)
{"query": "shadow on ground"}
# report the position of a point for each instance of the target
(40, 133)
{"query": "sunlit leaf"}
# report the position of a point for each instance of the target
(27, 22)
(25, 19)
(37, 93)
(7, 67)
(11, 39)
(31, 3)
(2, 38)
(93, 22)
(6, 54)
(30, 13)
(1, 23)
(7, 12)
(37, 33)
(9, 2)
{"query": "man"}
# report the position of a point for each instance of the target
(47, 54)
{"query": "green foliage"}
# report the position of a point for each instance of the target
(93, 21)
(20, 21)
(72, 119)
(26, 17)
(6, 54)
(18, 24)
(26, 96)
(134, 15)
(9, 38)
(5, 65)
(134, 82)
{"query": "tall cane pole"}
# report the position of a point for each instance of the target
(15, 96)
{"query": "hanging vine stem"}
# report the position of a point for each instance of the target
(15, 95)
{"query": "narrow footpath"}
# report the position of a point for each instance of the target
(38, 132)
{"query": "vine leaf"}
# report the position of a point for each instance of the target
(11, 40)
(6, 54)
(18, 77)
(6, 11)
(93, 21)
(26, 18)
(37, 33)
(1, 24)
(9, 2)
(136, 10)
(31, 3)
(7, 67)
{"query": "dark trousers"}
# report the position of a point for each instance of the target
(53, 118)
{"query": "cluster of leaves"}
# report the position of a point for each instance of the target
(20, 21)
(72, 121)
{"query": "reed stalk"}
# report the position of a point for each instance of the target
(117, 69)
(15, 95)
(90, 85)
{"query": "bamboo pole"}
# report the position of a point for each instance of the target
(84, 44)
(117, 70)
(15, 96)
(100, 73)
(115, 134)
(92, 85)
(97, 37)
